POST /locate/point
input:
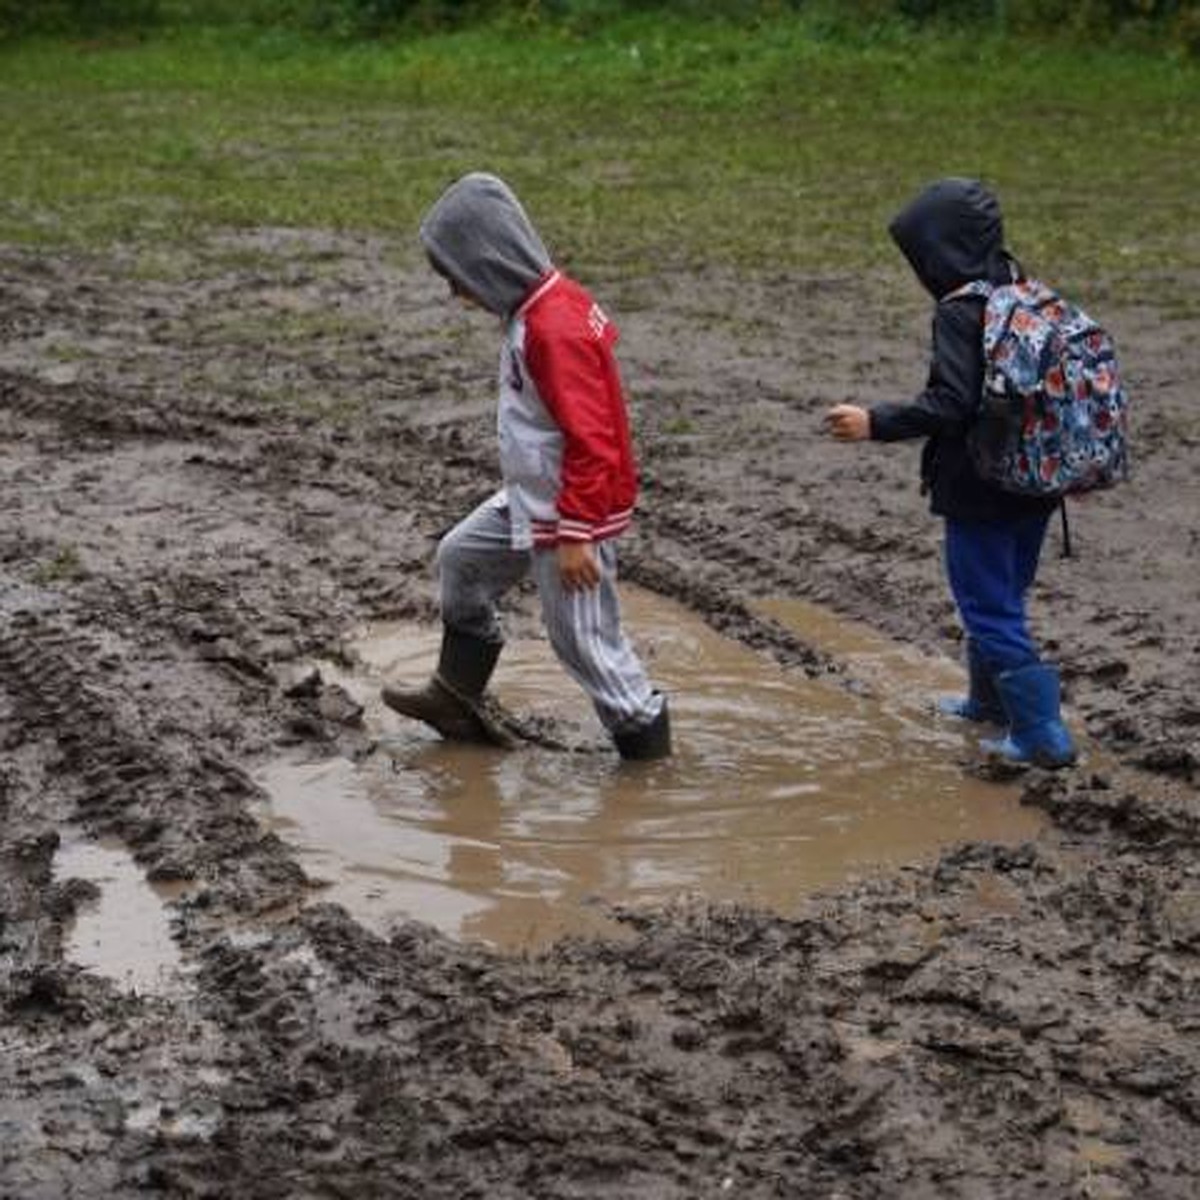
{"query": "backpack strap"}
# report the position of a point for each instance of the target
(1066, 529)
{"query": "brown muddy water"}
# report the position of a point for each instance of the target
(123, 932)
(780, 784)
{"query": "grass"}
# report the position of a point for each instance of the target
(650, 144)
(65, 566)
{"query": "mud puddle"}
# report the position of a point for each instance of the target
(122, 931)
(900, 672)
(780, 785)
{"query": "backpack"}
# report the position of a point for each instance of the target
(1053, 416)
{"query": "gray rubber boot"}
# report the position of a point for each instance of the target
(649, 741)
(453, 702)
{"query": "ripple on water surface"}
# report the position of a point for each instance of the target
(780, 784)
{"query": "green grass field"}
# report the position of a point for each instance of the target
(648, 144)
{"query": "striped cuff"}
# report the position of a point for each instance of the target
(572, 529)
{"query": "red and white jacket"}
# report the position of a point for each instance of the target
(565, 449)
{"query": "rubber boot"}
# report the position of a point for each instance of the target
(649, 741)
(1036, 733)
(453, 700)
(982, 701)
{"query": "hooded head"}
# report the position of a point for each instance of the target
(478, 236)
(952, 234)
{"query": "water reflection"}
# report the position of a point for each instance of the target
(124, 933)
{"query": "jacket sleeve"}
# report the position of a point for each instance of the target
(952, 393)
(568, 369)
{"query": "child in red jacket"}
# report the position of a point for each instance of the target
(570, 481)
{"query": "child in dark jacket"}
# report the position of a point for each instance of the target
(570, 481)
(952, 234)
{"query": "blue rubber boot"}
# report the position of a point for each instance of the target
(982, 701)
(1036, 733)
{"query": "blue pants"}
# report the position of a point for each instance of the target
(990, 567)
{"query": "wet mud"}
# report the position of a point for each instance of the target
(216, 471)
(760, 803)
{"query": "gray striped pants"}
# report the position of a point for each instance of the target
(477, 564)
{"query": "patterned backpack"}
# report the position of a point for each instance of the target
(1053, 417)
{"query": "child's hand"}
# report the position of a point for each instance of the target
(577, 566)
(849, 423)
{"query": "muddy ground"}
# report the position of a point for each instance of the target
(215, 464)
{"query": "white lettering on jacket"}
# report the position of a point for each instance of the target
(597, 320)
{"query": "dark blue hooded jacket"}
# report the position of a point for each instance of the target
(951, 234)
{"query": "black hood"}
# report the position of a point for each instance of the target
(952, 233)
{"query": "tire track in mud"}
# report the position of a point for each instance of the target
(884, 1044)
(451, 1072)
(893, 1041)
(183, 819)
(77, 410)
(298, 1031)
(683, 546)
(435, 470)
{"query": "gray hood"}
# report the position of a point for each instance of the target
(477, 234)
(952, 234)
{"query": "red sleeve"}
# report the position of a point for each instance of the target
(569, 370)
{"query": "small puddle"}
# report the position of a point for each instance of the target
(123, 934)
(780, 785)
(904, 674)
